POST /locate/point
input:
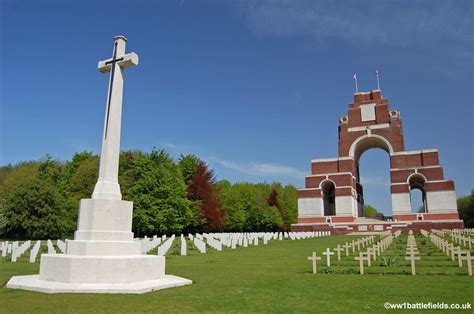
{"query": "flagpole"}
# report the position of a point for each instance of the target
(378, 80)
(355, 80)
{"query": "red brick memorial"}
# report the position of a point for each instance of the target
(333, 197)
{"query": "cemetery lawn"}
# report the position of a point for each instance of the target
(268, 278)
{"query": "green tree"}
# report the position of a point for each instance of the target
(466, 210)
(188, 165)
(20, 173)
(232, 205)
(369, 211)
(159, 195)
(38, 209)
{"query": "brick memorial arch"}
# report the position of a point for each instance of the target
(333, 196)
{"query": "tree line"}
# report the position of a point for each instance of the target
(40, 199)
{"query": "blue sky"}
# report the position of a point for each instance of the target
(253, 87)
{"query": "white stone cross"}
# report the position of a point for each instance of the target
(361, 258)
(369, 257)
(455, 251)
(107, 186)
(314, 258)
(347, 246)
(468, 259)
(328, 254)
(412, 258)
(358, 244)
(372, 253)
(339, 249)
(460, 255)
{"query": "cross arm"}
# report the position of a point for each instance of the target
(128, 60)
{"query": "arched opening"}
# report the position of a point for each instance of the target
(329, 197)
(373, 180)
(417, 184)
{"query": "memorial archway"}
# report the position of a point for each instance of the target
(372, 170)
(370, 123)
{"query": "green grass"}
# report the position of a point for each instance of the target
(269, 278)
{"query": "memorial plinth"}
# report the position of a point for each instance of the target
(103, 257)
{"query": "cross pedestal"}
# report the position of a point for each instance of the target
(103, 257)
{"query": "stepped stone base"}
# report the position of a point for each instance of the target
(33, 283)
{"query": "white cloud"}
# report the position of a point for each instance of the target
(255, 169)
(259, 169)
(392, 22)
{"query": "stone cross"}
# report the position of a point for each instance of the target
(353, 246)
(314, 258)
(460, 254)
(371, 251)
(361, 258)
(468, 259)
(358, 244)
(338, 250)
(412, 258)
(107, 186)
(328, 254)
(369, 257)
(455, 251)
(347, 246)
(377, 248)
(449, 248)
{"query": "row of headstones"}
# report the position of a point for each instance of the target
(460, 238)
(451, 250)
(219, 240)
(466, 231)
(15, 249)
(376, 250)
(232, 240)
(372, 252)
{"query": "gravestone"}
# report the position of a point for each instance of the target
(346, 246)
(361, 258)
(103, 257)
(468, 258)
(412, 258)
(328, 254)
(338, 250)
(314, 258)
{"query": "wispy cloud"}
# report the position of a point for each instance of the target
(434, 25)
(391, 22)
(252, 168)
(259, 169)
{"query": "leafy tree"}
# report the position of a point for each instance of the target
(188, 165)
(37, 209)
(201, 188)
(159, 195)
(127, 171)
(232, 205)
(82, 181)
(369, 211)
(288, 198)
(466, 210)
(20, 173)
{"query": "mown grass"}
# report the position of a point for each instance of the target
(268, 278)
